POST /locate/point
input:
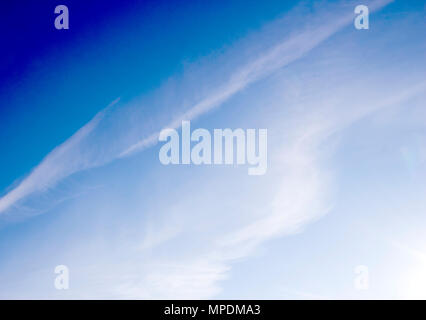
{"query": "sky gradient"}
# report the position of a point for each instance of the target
(82, 185)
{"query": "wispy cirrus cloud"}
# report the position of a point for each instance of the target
(301, 192)
(103, 140)
(200, 251)
(61, 162)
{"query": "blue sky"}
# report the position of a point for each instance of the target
(82, 185)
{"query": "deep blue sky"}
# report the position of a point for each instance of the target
(346, 133)
(53, 81)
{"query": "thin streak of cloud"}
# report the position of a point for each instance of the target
(302, 194)
(276, 58)
(58, 164)
(68, 158)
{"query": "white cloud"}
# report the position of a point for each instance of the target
(83, 151)
(299, 194)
